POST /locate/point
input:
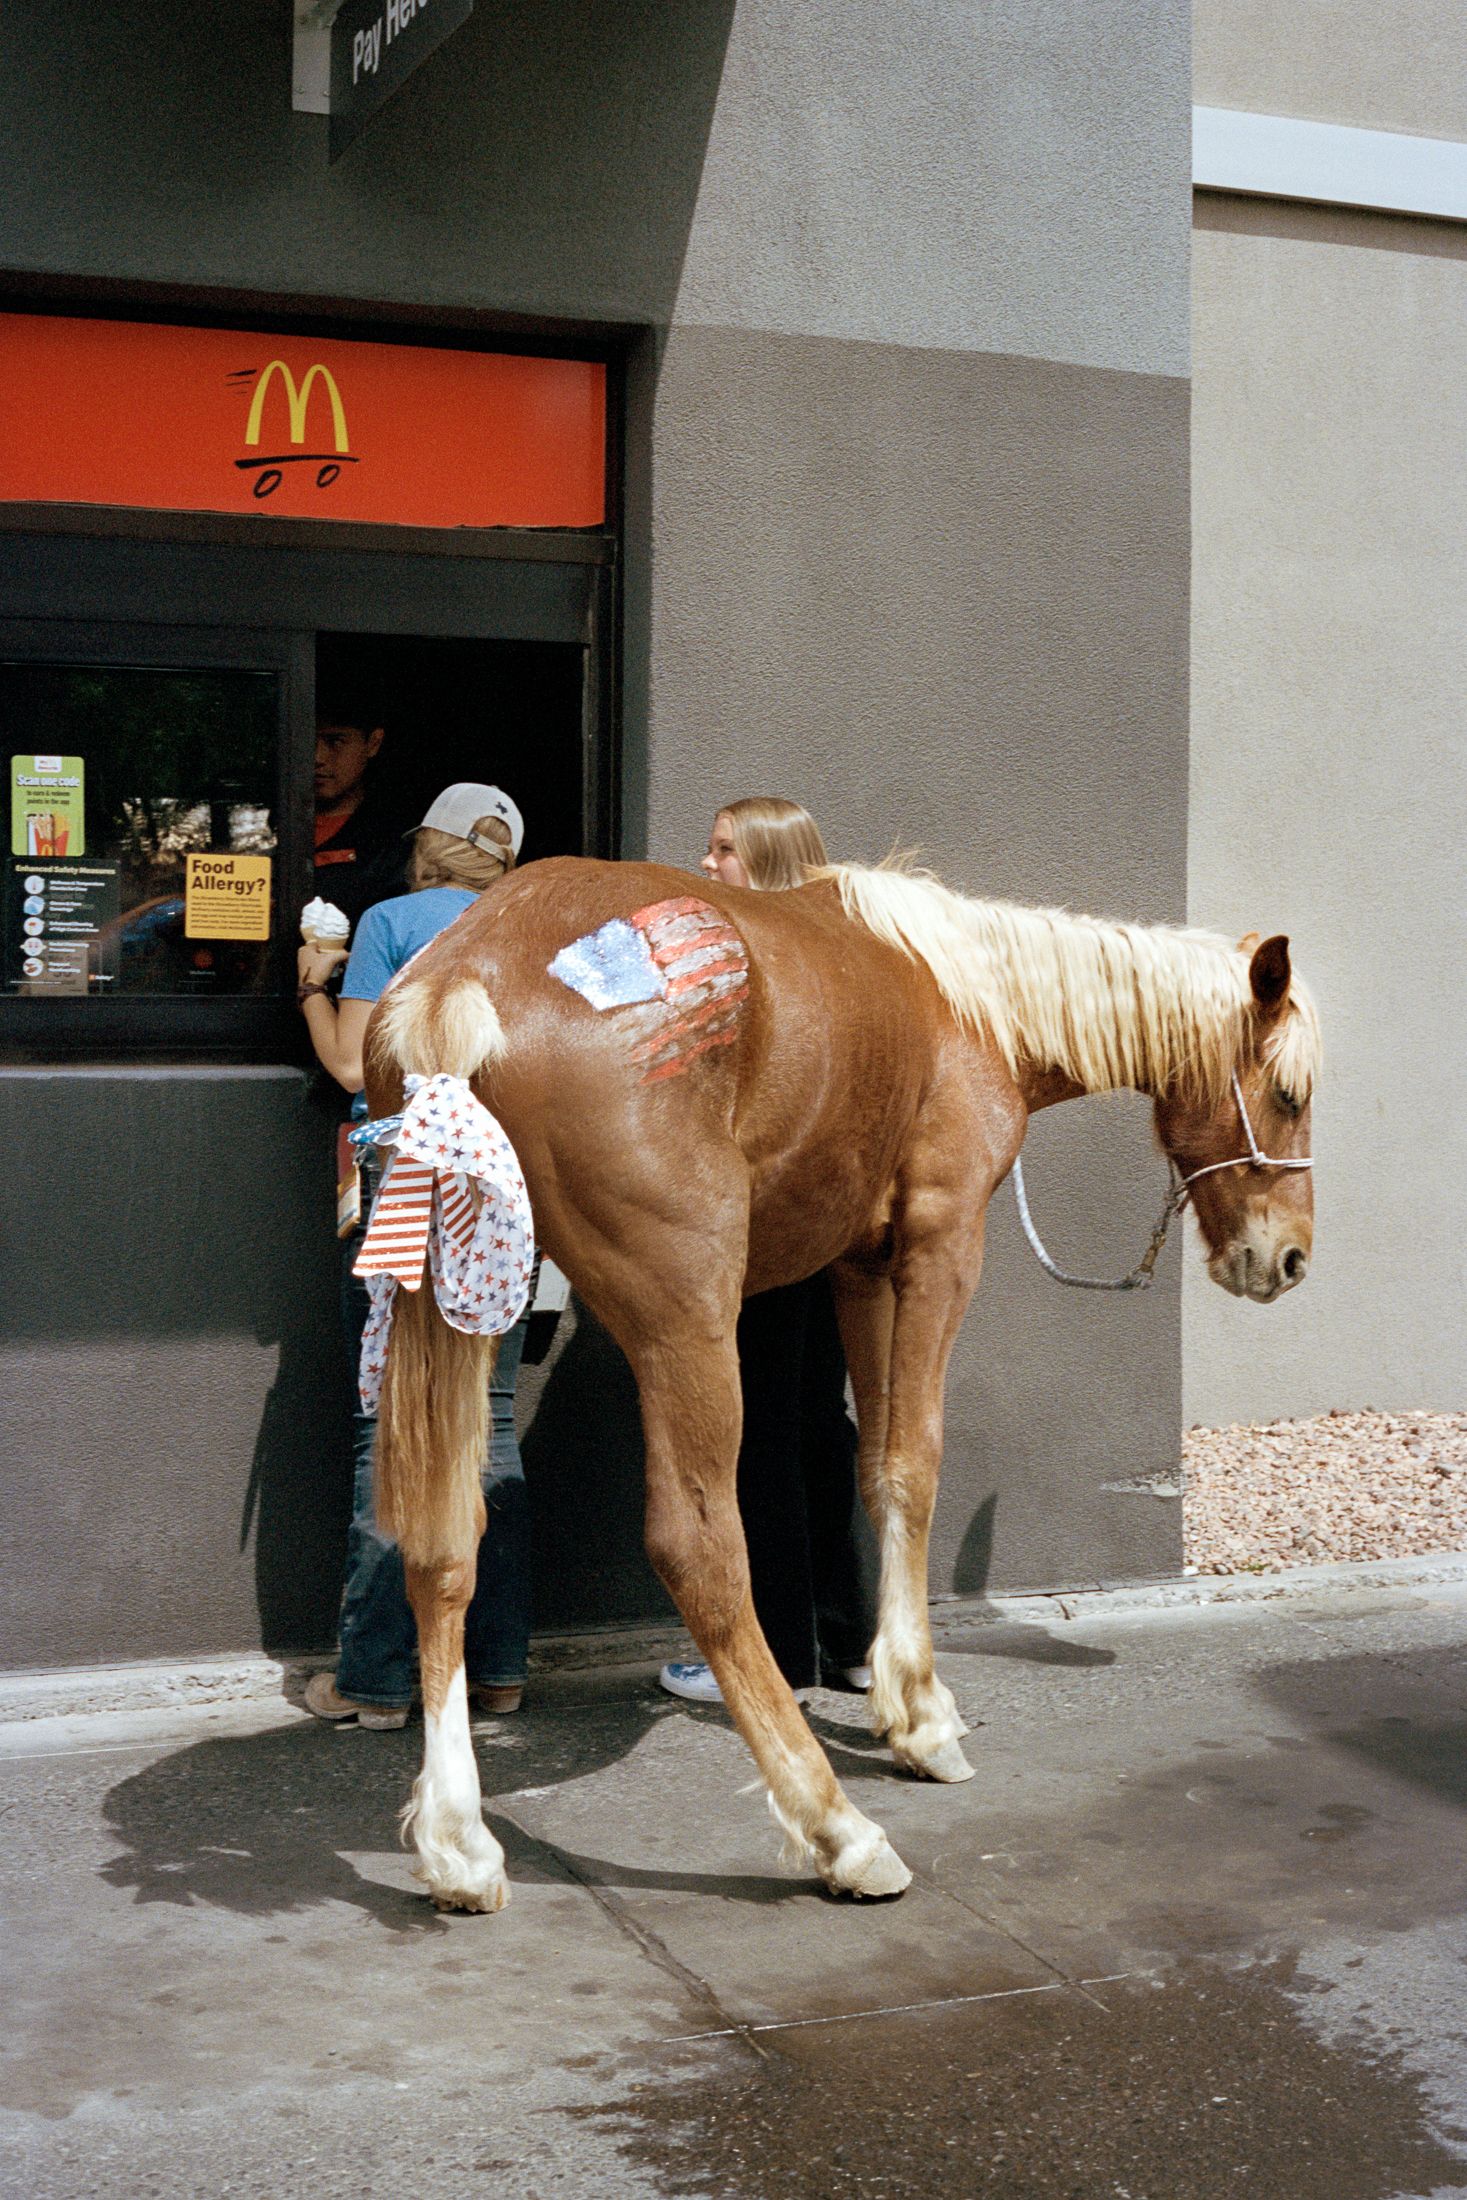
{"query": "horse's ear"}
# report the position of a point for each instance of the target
(1269, 973)
(1248, 942)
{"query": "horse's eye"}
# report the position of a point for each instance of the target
(1288, 1101)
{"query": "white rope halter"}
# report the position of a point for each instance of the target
(1139, 1278)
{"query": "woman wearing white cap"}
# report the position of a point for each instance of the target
(467, 841)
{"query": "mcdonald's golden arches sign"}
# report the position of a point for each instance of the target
(218, 420)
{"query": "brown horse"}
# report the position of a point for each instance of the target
(713, 1091)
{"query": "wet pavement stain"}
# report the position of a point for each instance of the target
(1342, 1820)
(1191, 2085)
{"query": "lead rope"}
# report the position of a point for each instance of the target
(1140, 1276)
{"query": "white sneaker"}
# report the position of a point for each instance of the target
(695, 1684)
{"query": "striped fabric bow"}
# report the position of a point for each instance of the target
(453, 1199)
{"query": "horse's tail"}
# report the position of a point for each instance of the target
(433, 1419)
(432, 1434)
(436, 1024)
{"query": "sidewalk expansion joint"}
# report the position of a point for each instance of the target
(1060, 1976)
(1058, 1985)
(649, 1944)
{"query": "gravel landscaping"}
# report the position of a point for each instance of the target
(1340, 1486)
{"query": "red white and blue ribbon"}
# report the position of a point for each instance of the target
(454, 1200)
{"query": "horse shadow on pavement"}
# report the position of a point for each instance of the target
(269, 1824)
(1025, 1640)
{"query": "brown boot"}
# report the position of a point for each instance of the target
(323, 1700)
(498, 1702)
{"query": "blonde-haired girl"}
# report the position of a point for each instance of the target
(766, 842)
(812, 1556)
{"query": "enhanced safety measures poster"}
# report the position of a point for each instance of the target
(61, 926)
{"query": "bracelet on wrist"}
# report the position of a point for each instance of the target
(304, 992)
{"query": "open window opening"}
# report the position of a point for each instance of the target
(401, 717)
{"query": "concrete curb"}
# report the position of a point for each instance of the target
(1196, 1592)
(252, 1677)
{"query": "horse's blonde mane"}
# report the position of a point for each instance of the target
(1110, 1005)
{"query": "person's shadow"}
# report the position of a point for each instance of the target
(297, 1500)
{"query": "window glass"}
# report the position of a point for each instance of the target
(141, 832)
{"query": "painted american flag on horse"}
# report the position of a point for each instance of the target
(706, 973)
(680, 956)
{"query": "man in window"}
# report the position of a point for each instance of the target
(360, 851)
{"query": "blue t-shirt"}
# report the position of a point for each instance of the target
(391, 933)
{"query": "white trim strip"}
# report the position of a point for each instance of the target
(1274, 156)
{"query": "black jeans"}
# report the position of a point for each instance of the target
(812, 1555)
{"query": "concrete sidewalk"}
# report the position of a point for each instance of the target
(1196, 1929)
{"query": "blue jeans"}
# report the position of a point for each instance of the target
(378, 1634)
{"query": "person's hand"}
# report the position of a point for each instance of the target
(314, 965)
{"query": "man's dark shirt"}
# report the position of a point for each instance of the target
(363, 861)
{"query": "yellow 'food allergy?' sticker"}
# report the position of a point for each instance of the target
(226, 898)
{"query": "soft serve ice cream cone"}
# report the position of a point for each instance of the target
(324, 925)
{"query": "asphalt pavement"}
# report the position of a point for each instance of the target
(1196, 1929)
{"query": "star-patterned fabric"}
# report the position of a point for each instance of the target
(454, 1198)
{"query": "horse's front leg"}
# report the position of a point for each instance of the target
(898, 1348)
(691, 1412)
(459, 1861)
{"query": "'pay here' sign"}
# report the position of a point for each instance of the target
(226, 898)
(375, 47)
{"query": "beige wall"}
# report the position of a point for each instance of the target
(1400, 66)
(1329, 763)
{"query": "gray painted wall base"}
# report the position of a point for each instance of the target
(203, 1683)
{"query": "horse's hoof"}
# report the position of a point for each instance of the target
(883, 1878)
(946, 1763)
(871, 1873)
(933, 1761)
(481, 1901)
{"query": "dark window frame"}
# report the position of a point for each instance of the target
(540, 571)
(248, 1027)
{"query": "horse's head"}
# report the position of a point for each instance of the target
(1243, 1153)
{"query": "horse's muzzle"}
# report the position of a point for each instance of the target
(1248, 1272)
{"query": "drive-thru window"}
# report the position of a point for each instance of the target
(221, 549)
(219, 540)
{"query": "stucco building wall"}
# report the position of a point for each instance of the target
(905, 535)
(919, 525)
(1329, 771)
(1402, 67)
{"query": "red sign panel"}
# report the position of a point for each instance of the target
(215, 420)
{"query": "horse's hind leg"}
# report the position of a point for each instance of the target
(897, 1350)
(691, 1414)
(459, 1860)
(431, 1440)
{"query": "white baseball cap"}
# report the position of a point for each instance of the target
(458, 809)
